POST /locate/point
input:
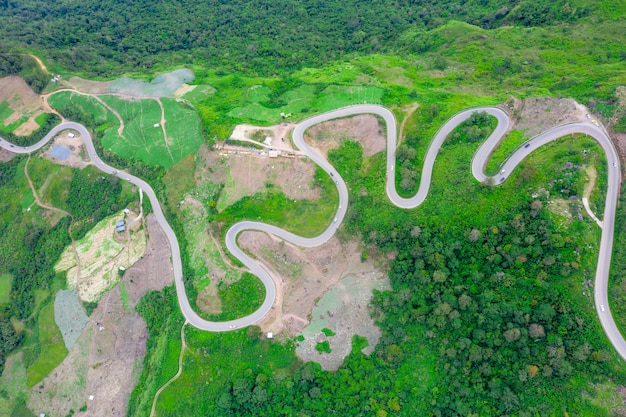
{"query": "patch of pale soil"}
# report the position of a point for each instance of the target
(250, 173)
(278, 133)
(5, 155)
(591, 182)
(65, 387)
(106, 363)
(28, 126)
(363, 128)
(535, 115)
(208, 299)
(344, 310)
(101, 253)
(184, 89)
(78, 157)
(154, 270)
(302, 276)
(210, 165)
(560, 208)
(23, 101)
(408, 113)
(88, 86)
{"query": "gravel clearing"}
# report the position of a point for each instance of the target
(344, 310)
(69, 316)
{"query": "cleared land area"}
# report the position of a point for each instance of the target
(101, 253)
(105, 359)
(20, 107)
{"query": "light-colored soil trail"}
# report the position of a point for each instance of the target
(58, 210)
(409, 113)
(39, 62)
(158, 100)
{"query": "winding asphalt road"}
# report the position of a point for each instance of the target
(478, 164)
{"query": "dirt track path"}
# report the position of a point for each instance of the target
(120, 130)
(409, 113)
(183, 346)
(58, 210)
(39, 62)
(158, 100)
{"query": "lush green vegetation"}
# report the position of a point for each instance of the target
(51, 345)
(140, 140)
(5, 288)
(240, 298)
(487, 298)
(617, 280)
(487, 315)
(266, 37)
(510, 143)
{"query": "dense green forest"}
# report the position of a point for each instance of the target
(103, 38)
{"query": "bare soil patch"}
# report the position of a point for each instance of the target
(154, 270)
(302, 276)
(250, 174)
(23, 101)
(78, 158)
(208, 299)
(536, 115)
(106, 360)
(343, 310)
(278, 133)
(88, 86)
(364, 128)
(5, 155)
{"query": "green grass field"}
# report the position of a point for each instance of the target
(302, 101)
(5, 112)
(5, 288)
(142, 141)
(67, 100)
(53, 349)
(51, 181)
(513, 141)
(240, 298)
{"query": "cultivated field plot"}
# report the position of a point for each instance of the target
(65, 101)
(143, 137)
(303, 100)
(182, 127)
(21, 110)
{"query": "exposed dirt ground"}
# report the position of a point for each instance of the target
(250, 173)
(5, 155)
(536, 115)
(276, 132)
(363, 128)
(302, 276)
(78, 158)
(106, 363)
(88, 86)
(23, 101)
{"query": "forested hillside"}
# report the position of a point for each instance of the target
(104, 38)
